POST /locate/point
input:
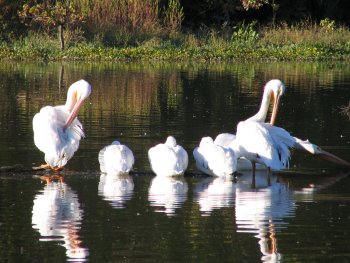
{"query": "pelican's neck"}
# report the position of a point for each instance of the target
(261, 115)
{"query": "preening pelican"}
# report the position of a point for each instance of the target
(273, 89)
(168, 159)
(57, 131)
(263, 143)
(266, 144)
(116, 158)
(214, 159)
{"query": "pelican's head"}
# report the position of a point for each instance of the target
(276, 88)
(170, 141)
(206, 141)
(77, 93)
(115, 143)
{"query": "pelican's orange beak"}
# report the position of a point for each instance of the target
(276, 99)
(73, 113)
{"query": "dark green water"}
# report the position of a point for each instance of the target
(301, 215)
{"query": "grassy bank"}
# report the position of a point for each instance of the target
(300, 42)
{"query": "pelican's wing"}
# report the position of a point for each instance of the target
(45, 130)
(118, 158)
(50, 137)
(224, 139)
(201, 161)
(128, 158)
(163, 160)
(264, 143)
(101, 159)
(215, 160)
(182, 159)
(283, 142)
(221, 160)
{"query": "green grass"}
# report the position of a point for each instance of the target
(304, 41)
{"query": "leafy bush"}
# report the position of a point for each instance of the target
(328, 24)
(245, 34)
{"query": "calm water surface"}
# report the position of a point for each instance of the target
(298, 215)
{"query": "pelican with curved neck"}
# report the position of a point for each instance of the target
(57, 131)
(274, 89)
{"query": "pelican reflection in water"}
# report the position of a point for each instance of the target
(167, 192)
(116, 188)
(215, 192)
(262, 205)
(57, 215)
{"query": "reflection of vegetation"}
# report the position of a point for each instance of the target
(345, 110)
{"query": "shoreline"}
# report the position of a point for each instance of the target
(88, 52)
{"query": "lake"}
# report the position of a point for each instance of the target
(298, 215)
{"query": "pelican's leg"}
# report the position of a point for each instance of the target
(253, 178)
(268, 176)
(45, 166)
(42, 167)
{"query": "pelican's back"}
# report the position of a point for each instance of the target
(224, 139)
(214, 159)
(116, 159)
(167, 161)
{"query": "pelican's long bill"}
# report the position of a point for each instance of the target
(73, 113)
(333, 158)
(275, 108)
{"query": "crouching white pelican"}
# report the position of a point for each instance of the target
(168, 159)
(57, 131)
(214, 159)
(116, 158)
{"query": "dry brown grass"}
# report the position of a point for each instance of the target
(305, 32)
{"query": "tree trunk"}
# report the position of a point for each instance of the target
(60, 36)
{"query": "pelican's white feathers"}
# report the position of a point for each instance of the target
(116, 158)
(214, 159)
(168, 159)
(53, 135)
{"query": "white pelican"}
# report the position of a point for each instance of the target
(57, 131)
(214, 159)
(266, 144)
(116, 158)
(168, 159)
(273, 89)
